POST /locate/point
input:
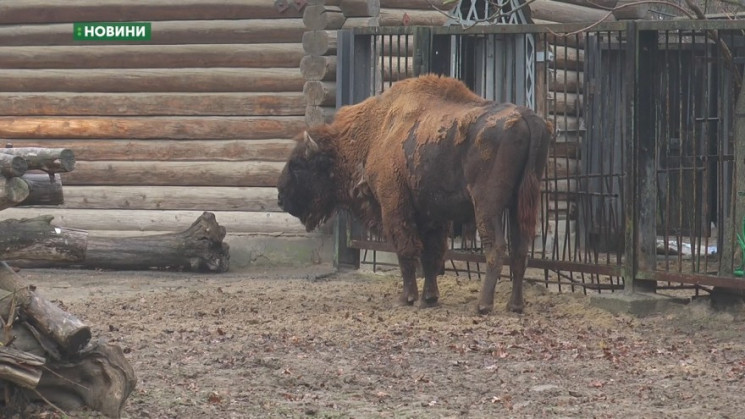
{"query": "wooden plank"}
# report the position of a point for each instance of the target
(171, 127)
(168, 150)
(152, 56)
(50, 11)
(153, 80)
(174, 173)
(276, 223)
(147, 104)
(238, 31)
(171, 198)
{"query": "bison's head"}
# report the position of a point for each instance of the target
(306, 185)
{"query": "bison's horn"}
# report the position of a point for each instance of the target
(310, 142)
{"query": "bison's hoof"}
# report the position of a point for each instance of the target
(485, 309)
(407, 300)
(515, 308)
(429, 302)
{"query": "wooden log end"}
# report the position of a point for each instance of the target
(66, 160)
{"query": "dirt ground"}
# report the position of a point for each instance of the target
(306, 343)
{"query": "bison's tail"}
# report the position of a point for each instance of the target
(529, 193)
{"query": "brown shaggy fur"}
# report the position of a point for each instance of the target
(410, 161)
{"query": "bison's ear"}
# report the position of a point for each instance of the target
(311, 146)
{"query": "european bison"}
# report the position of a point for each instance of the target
(425, 153)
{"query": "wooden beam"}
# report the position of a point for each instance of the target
(318, 18)
(320, 42)
(318, 115)
(44, 189)
(360, 8)
(318, 68)
(171, 127)
(174, 173)
(48, 11)
(276, 150)
(179, 32)
(153, 80)
(320, 93)
(411, 17)
(11, 165)
(152, 56)
(275, 223)
(216, 198)
(12, 191)
(50, 160)
(144, 104)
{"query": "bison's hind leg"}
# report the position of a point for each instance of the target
(519, 245)
(434, 243)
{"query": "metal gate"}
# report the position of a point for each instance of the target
(641, 182)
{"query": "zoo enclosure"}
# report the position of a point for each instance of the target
(641, 182)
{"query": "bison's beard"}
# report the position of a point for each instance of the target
(319, 215)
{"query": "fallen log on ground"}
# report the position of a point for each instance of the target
(198, 248)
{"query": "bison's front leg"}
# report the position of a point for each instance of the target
(408, 272)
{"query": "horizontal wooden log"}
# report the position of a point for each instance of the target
(568, 58)
(565, 81)
(396, 68)
(225, 198)
(136, 104)
(564, 103)
(321, 42)
(11, 165)
(46, 11)
(152, 56)
(565, 149)
(318, 115)
(318, 18)
(175, 173)
(44, 189)
(320, 93)
(12, 191)
(153, 80)
(576, 40)
(360, 8)
(561, 167)
(397, 46)
(173, 150)
(50, 160)
(318, 68)
(563, 122)
(418, 4)
(566, 13)
(275, 223)
(179, 32)
(181, 127)
(361, 22)
(411, 17)
(37, 239)
(561, 189)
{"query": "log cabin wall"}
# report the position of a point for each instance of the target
(199, 118)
